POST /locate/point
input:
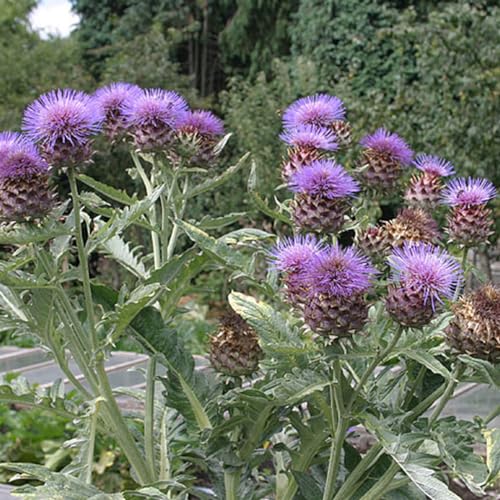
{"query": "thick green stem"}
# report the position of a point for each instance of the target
(307, 452)
(464, 265)
(91, 446)
(492, 415)
(448, 393)
(155, 239)
(122, 433)
(78, 353)
(371, 368)
(82, 256)
(150, 415)
(338, 437)
(351, 484)
(383, 484)
(164, 460)
(417, 382)
(232, 484)
(175, 229)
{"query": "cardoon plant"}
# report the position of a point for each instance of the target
(307, 143)
(272, 407)
(25, 192)
(322, 192)
(384, 156)
(469, 222)
(153, 117)
(425, 189)
(112, 101)
(62, 123)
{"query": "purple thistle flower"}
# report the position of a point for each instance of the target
(434, 165)
(202, 122)
(384, 141)
(324, 178)
(19, 157)
(310, 137)
(62, 117)
(112, 98)
(428, 269)
(294, 255)
(470, 191)
(340, 272)
(320, 110)
(156, 107)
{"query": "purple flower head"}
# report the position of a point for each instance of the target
(310, 137)
(202, 122)
(341, 271)
(384, 141)
(320, 110)
(112, 98)
(294, 255)
(324, 178)
(427, 268)
(62, 117)
(468, 191)
(156, 107)
(19, 156)
(434, 165)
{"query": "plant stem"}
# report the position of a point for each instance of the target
(350, 485)
(155, 239)
(371, 368)
(381, 486)
(121, 430)
(232, 483)
(492, 415)
(414, 386)
(82, 256)
(307, 452)
(339, 434)
(90, 450)
(164, 461)
(150, 415)
(464, 264)
(448, 393)
(175, 229)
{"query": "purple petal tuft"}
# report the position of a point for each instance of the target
(320, 110)
(427, 268)
(310, 137)
(324, 178)
(202, 122)
(341, 271)
(62, 116)
(19, 156)
(384, 141)
(113, 98)
(294, 255)
(434, 165)
(468, 191)
(156, 107)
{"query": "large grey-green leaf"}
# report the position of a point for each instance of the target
(57, 485)
(296, 386)
(428, 360)
(277, 333)
(120, 250)
(118, 320)
(219, 180)
(109, 191)
(259, 202)
(216, 248)
(492, 454)
(22, 234)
